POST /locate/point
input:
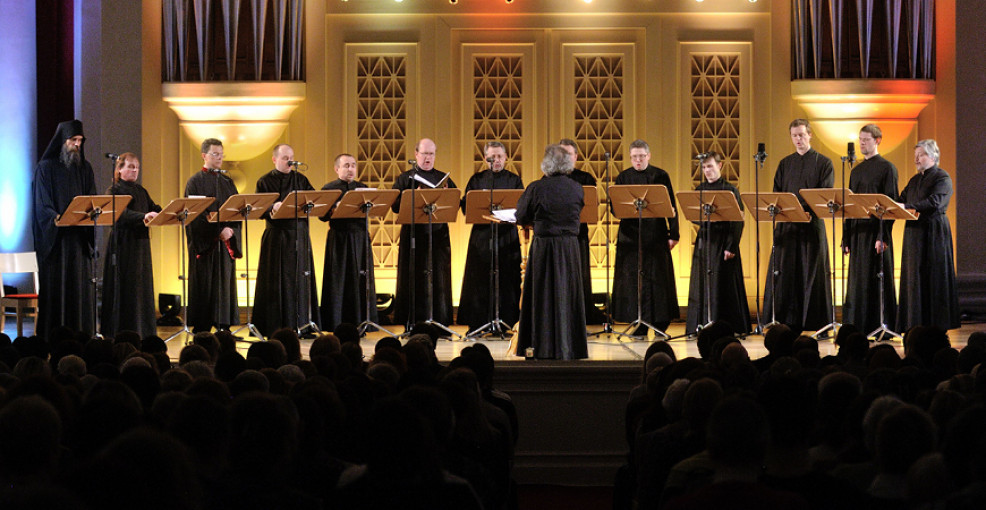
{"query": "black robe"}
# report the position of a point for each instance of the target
(65, 293)
(862, 306)
(211, 263)
(552, 317)
(343, 283)
(659, 297)
(474, 300)
(129, 306)
(728, 292)
(801, 250)
(441, 260)
(593, 315)
(928, 296)
(282, 293)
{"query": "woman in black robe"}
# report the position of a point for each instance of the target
(474, 300)
(343, 284)
(728, 293)
(283, 294)
(129, 306)
(552, 316)
(928, 296)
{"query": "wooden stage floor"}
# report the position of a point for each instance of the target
(604, 347)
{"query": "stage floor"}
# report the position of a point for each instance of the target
(603, 347)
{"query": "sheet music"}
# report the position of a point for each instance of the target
(424, 181)
(507, 215)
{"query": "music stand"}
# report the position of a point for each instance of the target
(181, 211)
(641, 201)
(296, 205)
(883, 207)
(705, 207)
(366, 203)
(774, 207)
(90, 211)
(831, 201)
(480, 204)
(437, 206)
(243, 208)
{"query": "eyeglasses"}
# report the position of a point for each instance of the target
(215, 154)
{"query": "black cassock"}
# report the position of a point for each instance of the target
(129, 306)
(592, 314)
(474, 300)
(659, 297)
(801, 249)
(862, 306)
(282, 292)
(211, 263)
(343, 284)
(441, 261)
(552, 319)
(726, 285)
(65, 293)
(928, 296)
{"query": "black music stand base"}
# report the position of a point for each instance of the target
(493, 329)
(885, 334)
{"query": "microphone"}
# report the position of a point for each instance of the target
(490, 161)
(701, 156)
(606, 155)
(761, 154)
(852, 152)
(218, 171)
(110, 155)
(295, 163)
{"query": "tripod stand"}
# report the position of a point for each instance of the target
(883, 207)
(181, 211)
(439, 206)
(708, 207)
(355, 204)
(479, 206)
(88, 211)
(774, 207)
(641, 201)
(297, 205)
(832, 201)
(245, 208)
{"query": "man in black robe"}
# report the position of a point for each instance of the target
(414, 258)
(928, 295)
(213, 247)
(593, 315)
(477, 282)
(659, 297)
(864, 241)
(65, 293)
(800, 254)
(128, 290)
(343, 279)
(717, 269)
(285, 296)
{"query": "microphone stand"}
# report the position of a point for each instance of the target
(758, 160)
(308, 325)
(409, 324)
(608, 324)
(115, 317)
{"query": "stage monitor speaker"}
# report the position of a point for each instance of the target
(170, 307)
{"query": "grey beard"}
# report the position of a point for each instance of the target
(70, 158)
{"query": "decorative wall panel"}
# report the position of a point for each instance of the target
(497, 113)
(381, 136)
(715, 111)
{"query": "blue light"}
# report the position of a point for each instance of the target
(18, 124)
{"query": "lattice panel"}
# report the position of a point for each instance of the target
(381, 120)
(497, 84)
(599, 129)
(715, 110)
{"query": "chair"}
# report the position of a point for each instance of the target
(24, 304)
